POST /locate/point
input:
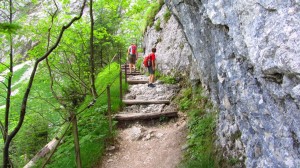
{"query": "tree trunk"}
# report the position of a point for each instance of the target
(6, 161)
(27, 92)
(92, 58)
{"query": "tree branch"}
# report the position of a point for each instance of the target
(4, 65)
(4, 84)
(26, 94)
(2, 130)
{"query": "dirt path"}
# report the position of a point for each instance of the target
(151, 144)
(158, 146)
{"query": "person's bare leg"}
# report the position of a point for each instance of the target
(130, 67)
(151, 78)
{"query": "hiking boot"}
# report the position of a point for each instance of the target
(151, 85)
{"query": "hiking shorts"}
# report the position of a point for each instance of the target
(150, 70)
(132, 58)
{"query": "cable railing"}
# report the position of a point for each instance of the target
(73, 116)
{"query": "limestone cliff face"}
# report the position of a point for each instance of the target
(173, 54)
(246, 53)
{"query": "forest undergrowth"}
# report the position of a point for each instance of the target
(44, 122)
(201, 151)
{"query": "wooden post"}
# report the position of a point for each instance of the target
(109, 110)
(121, 87)
(76, 139)
(126, 72)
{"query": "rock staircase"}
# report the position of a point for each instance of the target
(143, 102)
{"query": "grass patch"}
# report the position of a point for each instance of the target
(201, 128)
(157, 25)
(165, 78)
(139, 62)
(167, 15)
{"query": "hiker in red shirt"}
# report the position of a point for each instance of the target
(151, 68)
(132, 52)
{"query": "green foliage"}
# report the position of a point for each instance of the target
(185, 101)
(9, 28)
(3, 67)
(165, 78)
(157, 25)
(41, 113)
(168, 79)
(139, 62)
(151, 12)
(32, 137)
(201, 126)
(70, 69)
(167, 15)
(93, 123)
(233, 161)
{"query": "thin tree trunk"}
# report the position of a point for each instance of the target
(92, 58)
(27, 92)
(9, 83)
(6, 160)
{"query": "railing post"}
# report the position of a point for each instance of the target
(121, 87)
(126, 72)
(76, 139)
(109, 110)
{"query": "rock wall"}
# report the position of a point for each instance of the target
(173, 54)
(246, 53)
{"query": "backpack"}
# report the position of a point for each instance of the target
(147, 61)
(133, 49)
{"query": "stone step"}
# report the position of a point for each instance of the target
(143, 116)
(145, 102)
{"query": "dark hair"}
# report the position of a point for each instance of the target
(153, 50)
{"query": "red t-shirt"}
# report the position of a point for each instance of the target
(152, 56)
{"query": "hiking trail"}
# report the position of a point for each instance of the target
(151, 133)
